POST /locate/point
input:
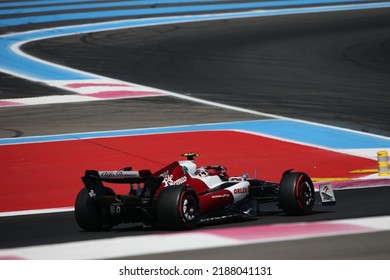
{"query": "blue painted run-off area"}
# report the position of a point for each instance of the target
(18, 65)
(127, 11)
(296, 131)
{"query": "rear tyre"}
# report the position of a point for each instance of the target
(296, 193)
(88, 214)
(178, 208)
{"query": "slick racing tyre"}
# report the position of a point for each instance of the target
(178, 208)
(88, 214)
(296, 193)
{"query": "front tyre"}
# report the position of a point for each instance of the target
(178, 207)
(296, 194)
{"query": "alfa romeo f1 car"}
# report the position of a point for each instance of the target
(182, 196)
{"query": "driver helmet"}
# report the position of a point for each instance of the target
(201, 172)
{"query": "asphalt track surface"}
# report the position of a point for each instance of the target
(331, 68)
(57, 228)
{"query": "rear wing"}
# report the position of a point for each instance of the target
(118, 176)
(93, 179)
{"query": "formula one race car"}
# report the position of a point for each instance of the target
(181, 196)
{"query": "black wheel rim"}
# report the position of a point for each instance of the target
(305, 195)
(189, 209)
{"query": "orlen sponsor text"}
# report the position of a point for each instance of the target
(240, 190)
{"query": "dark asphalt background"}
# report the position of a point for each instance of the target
(331, 68)
(30, 230)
